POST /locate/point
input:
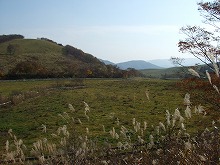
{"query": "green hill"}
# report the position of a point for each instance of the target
(175, 72)
(44, 52)
(41, 58)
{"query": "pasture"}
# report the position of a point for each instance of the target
(112, 103)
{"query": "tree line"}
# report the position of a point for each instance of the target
(5, 38)
(34, 69)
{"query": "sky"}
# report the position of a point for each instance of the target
(114, 30)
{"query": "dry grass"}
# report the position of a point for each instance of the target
(165, 143)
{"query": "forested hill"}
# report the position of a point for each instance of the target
(44, 58)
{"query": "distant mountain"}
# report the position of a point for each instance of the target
(137, 64)
(166, 63)
(152, 64)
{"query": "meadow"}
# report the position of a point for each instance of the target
(97, 107)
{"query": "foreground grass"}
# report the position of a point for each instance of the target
(123, 99)
(110, 100)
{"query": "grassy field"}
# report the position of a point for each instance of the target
(174, 72)
(110, 101)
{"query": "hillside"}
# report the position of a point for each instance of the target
(40, 58)
(29, 49)
(175, 72)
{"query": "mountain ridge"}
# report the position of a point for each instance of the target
(152, 64)
(137, 64)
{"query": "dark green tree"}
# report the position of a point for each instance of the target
(5, 38)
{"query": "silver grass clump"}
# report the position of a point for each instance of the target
(161, 125)
(10, 132)
(44, 128)
(209, 77)
(87, 130)
(13, 156)
(188, 112)
(202, 158)
(116, 136)
(117, 121)
(168, 117)
(7, 146)
(113, 133)
(147, 95)
(41, 159)
(87, 117)
(133, 121)
(137, 126)
(216, 88)
(157, 129)
(200, 110)
(216, 69)
(87, 108)
(187, 99)
(140, 140)
(124, 131)
(79, 121)
(103, 127)
(151, 143)
(66, 115)
(119, 145)
(176, 116)
(154, 162)
(183, 127)
(60, 115)
(145, 125)
(176, 113)
(193, 72)
(188, 146)
(71, 108)
(210, 80)
(63, 141)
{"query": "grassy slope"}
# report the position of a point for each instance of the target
(32, 45)
(158, 73)
(46, 52)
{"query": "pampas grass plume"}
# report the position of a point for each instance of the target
(193, 72)
(216, 88)
(188, 112)
(71, 108)
(209, 77)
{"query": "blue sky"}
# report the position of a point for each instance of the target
(114, 30)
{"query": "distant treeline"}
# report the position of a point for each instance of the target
(49, 40)
(79, 54)
(33, 69)
(5, 38)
